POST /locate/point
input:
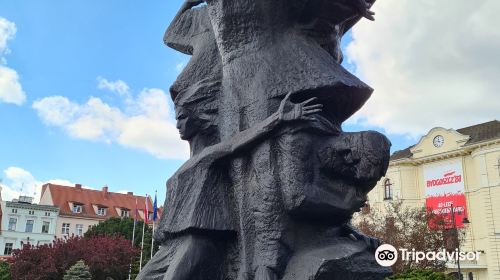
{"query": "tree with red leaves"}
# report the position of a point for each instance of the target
(106, 257)
(409, 227)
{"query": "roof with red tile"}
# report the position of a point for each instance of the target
(63, 195)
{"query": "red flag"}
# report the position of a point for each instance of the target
(146, 210)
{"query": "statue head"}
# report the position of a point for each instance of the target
(196, 111)
(334, 183)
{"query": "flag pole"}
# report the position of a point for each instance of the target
(133, 238)
(155, 209)
(146, 213)
(142, 245)
(152, 239)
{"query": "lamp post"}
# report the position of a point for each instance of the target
(458, 241)
(464, 221)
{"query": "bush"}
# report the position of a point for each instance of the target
(78, 271)
(4, 271)
(421, 275)
(124, 227)
(105, 256)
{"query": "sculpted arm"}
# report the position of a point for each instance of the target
(287, 112)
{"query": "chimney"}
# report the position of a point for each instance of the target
(78, 186)
(105, 191)
(130, 193)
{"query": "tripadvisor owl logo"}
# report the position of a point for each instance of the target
(386, 255)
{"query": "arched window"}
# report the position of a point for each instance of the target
(387, 189)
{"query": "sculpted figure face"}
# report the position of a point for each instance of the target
(195, 119)
(186, 125)
(337, 179)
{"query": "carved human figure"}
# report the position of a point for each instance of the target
(266, 188)
(197, 210)
(269, 48)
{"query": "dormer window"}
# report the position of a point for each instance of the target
(77, 208)
(125, 213)
(101, 211)
(387, 189)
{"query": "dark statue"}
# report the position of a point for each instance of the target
(272, 181)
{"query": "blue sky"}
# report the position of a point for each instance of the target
(104, 66)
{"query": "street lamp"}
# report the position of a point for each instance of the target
(464, 221)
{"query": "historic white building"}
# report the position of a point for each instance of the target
(24, 222)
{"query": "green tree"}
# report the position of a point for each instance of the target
(421, 275)
(124, 227)
(4, 271)
(79, 271)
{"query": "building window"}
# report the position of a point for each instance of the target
(77, 208)
(31, 212)
(29, 225)
(79, 230)
(8, 249)
(125, 213)
(65, 228)
(387, 189)
(45, 227)
(47, 214)
(471, 276)
(101, 211)
(14, 211)
(12, 224)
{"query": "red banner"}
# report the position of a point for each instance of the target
(444, 190)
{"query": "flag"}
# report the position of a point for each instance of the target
(146, 210)
(155, 210)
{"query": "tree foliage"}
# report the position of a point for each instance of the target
(405, 227)
(421, 275)
(79, 271)
(124, 227)
(4, 271)
(105, 256)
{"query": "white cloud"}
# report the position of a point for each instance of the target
(432, 63)
(10, 88)
(18, 181)
(117, 86)
(7, 31)
(56, 110)
(146, 122)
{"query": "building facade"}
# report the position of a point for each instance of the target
(453, 168)
(81, 208)
(24, 222)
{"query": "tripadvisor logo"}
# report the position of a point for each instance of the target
(387, 255)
